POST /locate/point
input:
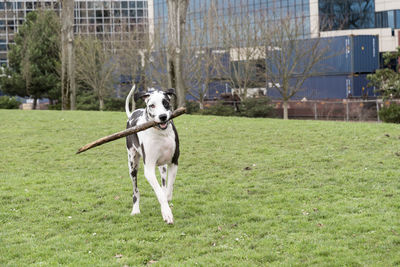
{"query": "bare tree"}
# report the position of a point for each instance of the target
(68, 87)
(155, 61)
(95, 66)
(177, 10)
(243, 38)
(202, 57)
(290, 59)
(130, 46)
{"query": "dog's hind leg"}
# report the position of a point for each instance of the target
(172, 170)
(133, 162)
(163, 173)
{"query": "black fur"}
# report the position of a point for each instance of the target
(144, 154)
(133, 138)
(177, 152)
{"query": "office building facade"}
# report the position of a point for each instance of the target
(321, 18)
(100, 18)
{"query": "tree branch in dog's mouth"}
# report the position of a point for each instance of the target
(129, 131)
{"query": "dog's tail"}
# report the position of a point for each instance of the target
(128, 98)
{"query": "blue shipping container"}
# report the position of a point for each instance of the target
(350, 54)
(339, 55)
(331, 87)
(215, 89)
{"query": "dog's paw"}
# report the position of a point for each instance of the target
(167, 214)
(169, 197)
(135, 211)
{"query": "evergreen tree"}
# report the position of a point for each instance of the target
(387, 80)
(34, 59)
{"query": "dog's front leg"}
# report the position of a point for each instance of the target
(149, 172)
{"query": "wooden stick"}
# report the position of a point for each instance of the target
(127, 132)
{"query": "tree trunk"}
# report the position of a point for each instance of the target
(101, 102)
(177, 10)
(68, 89)
(285, 110)
(34, 103)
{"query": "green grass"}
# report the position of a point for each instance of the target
(248, 192)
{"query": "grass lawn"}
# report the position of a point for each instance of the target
(248, 192)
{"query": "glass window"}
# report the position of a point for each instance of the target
(390, 19)
(397, 16)
(132, 4)
(1, 5)
(124, 4)
(140, 4)
(346, 14)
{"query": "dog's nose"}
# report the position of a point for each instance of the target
(163, 117)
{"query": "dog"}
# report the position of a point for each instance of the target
(158, 146)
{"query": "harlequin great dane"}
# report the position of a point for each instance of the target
(158, 146)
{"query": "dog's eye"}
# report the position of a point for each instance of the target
(152, 106)
(165, 103)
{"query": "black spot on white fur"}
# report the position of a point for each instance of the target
(177, 152)
(133, 138)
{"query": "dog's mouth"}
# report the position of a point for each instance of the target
(163, 125)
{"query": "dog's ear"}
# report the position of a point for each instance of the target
(170, 91)
(141, 95)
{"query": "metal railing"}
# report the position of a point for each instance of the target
(346, 109)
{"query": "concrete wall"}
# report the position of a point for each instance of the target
(387, 42)
(383, 5)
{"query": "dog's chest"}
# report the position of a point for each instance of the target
(160, 147)
(166, 150)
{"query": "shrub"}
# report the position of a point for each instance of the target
(257, 107)
(7, 102)
(114, 104)
(219, 109)
(390, 114)
(192, 107)
(56, 106)
(86, 101)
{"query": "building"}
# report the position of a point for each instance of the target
(322, 18)
(92, 17)
(361, 17)
(236, 8)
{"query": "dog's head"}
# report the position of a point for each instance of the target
(158, 106)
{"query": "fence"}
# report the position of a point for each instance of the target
(346, 109)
